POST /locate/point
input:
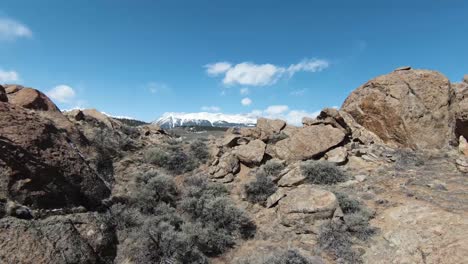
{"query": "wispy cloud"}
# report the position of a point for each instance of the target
(299, 92)
(211, 108)
(157, 87)
(244, 91)
(246, 101)
(251, 74)
(62, 94)
(8, 76)
(11, 29)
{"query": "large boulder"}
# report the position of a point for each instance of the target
(32, 99)
(252, 153)
(419, 233)
(80, 238)
(303, 206)
(3, 95)
(309, 142)
(270, 126)
(409, 108)
(40, 167)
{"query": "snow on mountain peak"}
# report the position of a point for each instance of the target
(173, 119)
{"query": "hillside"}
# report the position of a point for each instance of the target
(383, 179)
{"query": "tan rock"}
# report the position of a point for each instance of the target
(252, 153)
(274, 198)
(227, 164)
(419, 233)
(410, 108)
(292, 178)
(270, 126)
(338, 156)
(308, 142)
(32, 99)
(303, 206)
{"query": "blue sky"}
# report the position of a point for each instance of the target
(269, 57)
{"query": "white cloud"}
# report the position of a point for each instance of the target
(156, 87)
(292, 117)
(217, 68)
(299, 92)
(244, 91)
(211, 108)
(246, 101)
(8, 76)
(276, 109)
(251, 74)
(62, 94)
(11, 29)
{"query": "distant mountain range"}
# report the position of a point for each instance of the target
(172, 120)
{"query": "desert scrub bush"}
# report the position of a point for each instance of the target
(152, 189)
(199, 150)
(207, 203)
(291, 256)
(272, 168)
(171, 158)
(406, 158)
(337, 237)
(260, 189)
(156, 156)
(322, 172)
(334, 238)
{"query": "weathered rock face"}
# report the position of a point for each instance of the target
(80, 238)
(417, 233)
(304, 205)
(270, 126)
(252, 153)
(338, 156)
(410, 108)
(3, 95)
(32, 99)
(309, 142)
(40, 167)
(461, 110)
(227, 164)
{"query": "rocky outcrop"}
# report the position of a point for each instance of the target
(309, 142)
(227, 164)
(79, 238)
(39, 165)
(31, 99)
(409, 108)
(418, 233)
(338, 156)
(270, 126)
(252, 153)
(303, 206)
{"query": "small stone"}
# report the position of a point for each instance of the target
(293, 178)
(274, 198)
(360, 178)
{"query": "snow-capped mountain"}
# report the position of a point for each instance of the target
(171, 120)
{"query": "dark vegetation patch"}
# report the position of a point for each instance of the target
(263, 186)
(161, 223)
(172, 157)
(322, 172)
(290, 256)
(337, 238)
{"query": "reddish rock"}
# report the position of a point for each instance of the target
(32, 99)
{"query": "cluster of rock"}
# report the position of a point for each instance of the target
(51, 188)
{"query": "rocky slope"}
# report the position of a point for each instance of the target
(381, 180)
